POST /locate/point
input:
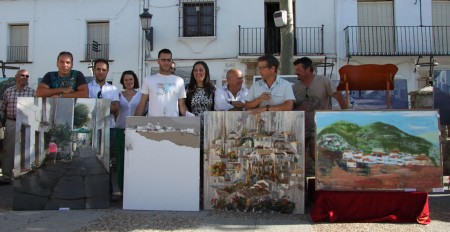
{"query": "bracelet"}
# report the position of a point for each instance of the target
(267, 107)
(231, 102)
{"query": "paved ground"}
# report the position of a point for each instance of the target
(116, 219)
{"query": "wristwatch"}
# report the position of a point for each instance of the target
(231, 102)
(267, 107)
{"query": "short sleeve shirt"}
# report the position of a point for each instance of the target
(74, 80)
(280, 91)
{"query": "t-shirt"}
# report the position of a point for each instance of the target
(318, 94)
(163, 93)
(74, 80)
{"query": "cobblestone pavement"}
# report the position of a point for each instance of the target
(116, 219)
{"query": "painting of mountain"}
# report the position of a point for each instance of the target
(378, 150)
(254, 162)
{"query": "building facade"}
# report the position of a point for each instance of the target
(414, 35)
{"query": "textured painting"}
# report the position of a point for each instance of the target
(61, 154)
(254, 162)
(378, 150)
(162, 163)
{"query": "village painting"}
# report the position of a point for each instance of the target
(254, 162)
(61, 154)
(378, 150)
(162, 163)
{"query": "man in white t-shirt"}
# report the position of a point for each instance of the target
(164, 91)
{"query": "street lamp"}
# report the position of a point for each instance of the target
(146, 22)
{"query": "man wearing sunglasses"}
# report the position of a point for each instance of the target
(312, 93)
(9, 111)
(65, 82)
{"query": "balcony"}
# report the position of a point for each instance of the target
(17, 54)
(97, 51)
(397, 40)
(257, 41)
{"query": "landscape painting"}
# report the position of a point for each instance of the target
(441, 94)
(378, 150)
(162, 163)
(254, 162)
(61, 154)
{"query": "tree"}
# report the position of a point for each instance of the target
(81, 115)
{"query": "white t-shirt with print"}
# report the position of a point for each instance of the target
(163, 93)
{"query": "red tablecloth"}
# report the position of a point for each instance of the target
(370, 207)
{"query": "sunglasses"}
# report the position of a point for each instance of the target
(99, 94)
(23, 75)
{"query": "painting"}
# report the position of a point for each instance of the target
(441, 94)
(376, 99)
(378, 150)
(254, 162)
(61, 154)
(162, 163)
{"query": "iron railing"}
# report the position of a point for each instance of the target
(397, 40)
(17, 54)
(255, 41)
(97, 51)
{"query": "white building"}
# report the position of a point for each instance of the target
(224, 33)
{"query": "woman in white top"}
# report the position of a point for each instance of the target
(129, 100)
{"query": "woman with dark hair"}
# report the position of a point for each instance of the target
(200, 91)
(129, 100)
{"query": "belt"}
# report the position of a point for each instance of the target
(11, 118)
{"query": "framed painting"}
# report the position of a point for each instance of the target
(254, 162)
(441, 94)
(162, 163)
(378, 150)
(61, 154)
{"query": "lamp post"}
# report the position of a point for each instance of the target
(146, 22)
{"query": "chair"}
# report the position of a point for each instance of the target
(367, 77)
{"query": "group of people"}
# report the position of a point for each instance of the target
(164, 94)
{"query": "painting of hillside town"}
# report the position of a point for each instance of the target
(378, 150)
(162, 163)
(61, 154)
(254, 162)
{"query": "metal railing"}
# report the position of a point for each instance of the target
(397, 40)
(17, 54)
(255, 41)
(97, 51)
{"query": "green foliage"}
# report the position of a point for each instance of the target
(81, 116)
(378, 135)
(61, 135)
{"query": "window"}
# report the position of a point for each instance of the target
(441, 23)
(376, 21)
(197, 18)
(18, 43)
(441, 13)
(97, 45)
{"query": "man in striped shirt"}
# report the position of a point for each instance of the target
(9, 110)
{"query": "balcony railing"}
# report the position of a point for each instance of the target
(17, 54)
(256, 41)
(397, 40)
(97, 51)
